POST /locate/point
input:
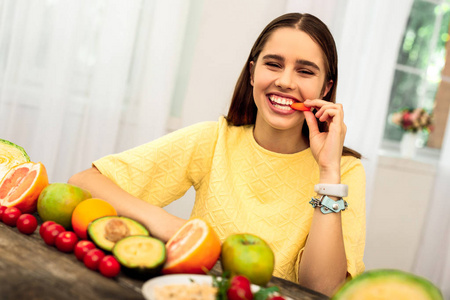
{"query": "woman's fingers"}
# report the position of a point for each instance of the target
(326, 111)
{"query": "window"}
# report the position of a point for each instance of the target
(421, 58)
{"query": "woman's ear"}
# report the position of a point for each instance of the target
(327, 88)
(252, 67)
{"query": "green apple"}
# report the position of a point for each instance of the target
(248, 255)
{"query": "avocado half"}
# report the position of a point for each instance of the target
(105, 232)
(141, 257)
(388, 284)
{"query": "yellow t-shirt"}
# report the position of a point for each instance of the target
(241, 187)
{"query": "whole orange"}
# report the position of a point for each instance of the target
(87, 211)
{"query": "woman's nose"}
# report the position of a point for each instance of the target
(285, 80)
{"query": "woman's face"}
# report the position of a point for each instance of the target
(290, 68)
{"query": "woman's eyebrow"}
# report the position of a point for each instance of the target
(302, 62)
(308, 63)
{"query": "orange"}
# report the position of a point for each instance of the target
(87, 211)
(22, 185)
(194, 249)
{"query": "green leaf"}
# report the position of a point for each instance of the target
(222, 284)
(264, 293)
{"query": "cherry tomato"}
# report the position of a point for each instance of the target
(43, 226)
(109, 266)
(27, 224)
(2, 209)
(92, 258)
(65, 241)
(83, 247)
(10, 216)
(51, 232)
(240, 288)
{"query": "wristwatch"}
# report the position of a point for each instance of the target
(336, 190)
(328, 205)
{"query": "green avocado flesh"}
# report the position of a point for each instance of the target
(140, 256)
(388, 284)
(105, 232)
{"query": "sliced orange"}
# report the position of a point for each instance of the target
(22, 185)
(87, 211)
(194, 249)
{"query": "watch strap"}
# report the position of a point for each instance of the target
(336, 190)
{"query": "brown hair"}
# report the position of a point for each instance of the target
(243, 110)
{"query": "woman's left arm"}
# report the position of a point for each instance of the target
(323, 264)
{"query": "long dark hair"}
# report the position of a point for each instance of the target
(243, 110)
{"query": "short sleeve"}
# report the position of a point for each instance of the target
(161, 171)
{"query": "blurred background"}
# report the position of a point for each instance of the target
(83, 79)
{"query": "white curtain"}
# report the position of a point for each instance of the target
(433, 256)
(368, 35)
(82, 79)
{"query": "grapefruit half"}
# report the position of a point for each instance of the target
(10, 155)
(22, 185)
(194, 249)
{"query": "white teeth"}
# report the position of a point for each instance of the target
(280, 100)
(282, 107)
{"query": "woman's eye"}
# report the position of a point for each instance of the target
(305, 71)
(272, 64)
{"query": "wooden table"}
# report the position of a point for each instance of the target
(30, 269)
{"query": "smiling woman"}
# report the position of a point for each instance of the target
(255, 171)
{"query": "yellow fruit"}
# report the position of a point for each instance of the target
(57, 202)
(87, 211)
(10, 155)
(195, 248)
(22, 185)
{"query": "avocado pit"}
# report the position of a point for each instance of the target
(115, 230)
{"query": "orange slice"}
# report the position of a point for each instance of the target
(22, 185)
(300, 106)
(194, 249)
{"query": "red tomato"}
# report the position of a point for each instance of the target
(2, 209)
(65, 241)
(83, 247)
(109, 266)
(51, 232)
(240, 288)
(10, 216)
(277, 298)
(43, 226)
(92, 259)
(27, 224)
